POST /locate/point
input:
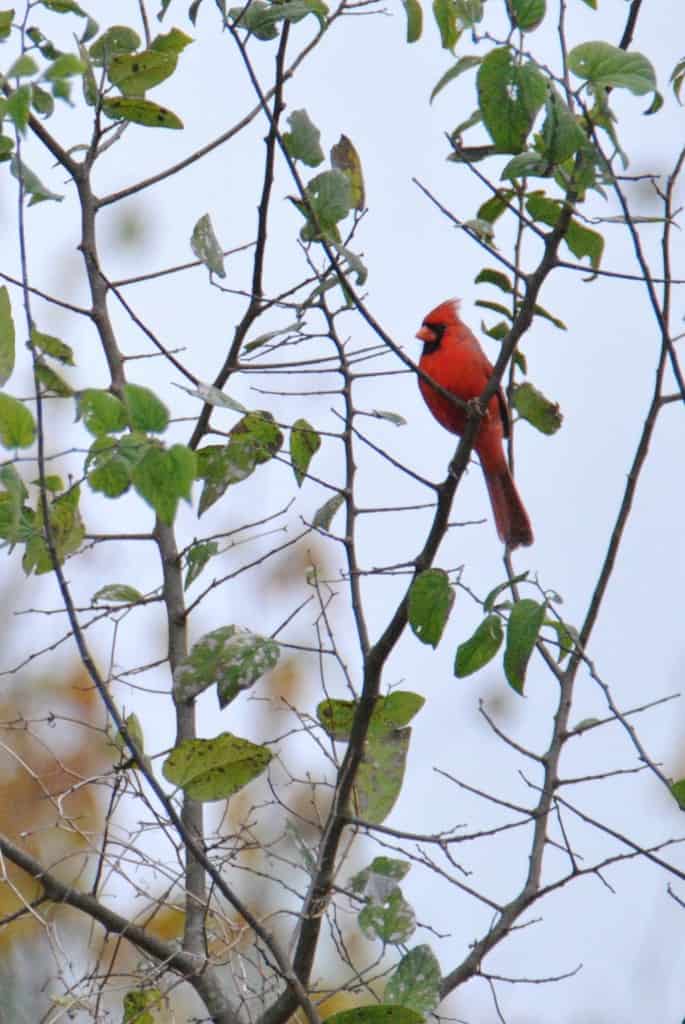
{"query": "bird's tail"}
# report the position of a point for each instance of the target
(511, 518)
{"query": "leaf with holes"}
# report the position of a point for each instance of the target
(303, 141)
(510, 95)
(416, 981)
(196, 559)
(231, 657)
(393, 921)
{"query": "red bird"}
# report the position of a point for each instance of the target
(454, 359)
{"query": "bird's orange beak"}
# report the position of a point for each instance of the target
(425, 334)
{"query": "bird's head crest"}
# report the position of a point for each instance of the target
(446, 313)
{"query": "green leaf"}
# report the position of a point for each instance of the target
(445, 16)
(380, 775)
(510, 96)
(394, 711)
(392, 922)
(345, 158)
(13, 515)
(117, 593)
(526, 15)
(138, 1001)
(23, 67)
(561, 135)
(412, 8)
(303, 141)
(7, 337)
(582, 241)
(146, 412)
(262, 339)
(416, 982)
(65, 66)
(110, 463)
(17, 425)
(41, 101)
(6, 19)
(196, 559)
(52, 347)
(52, 482)
(261, 18)
(525, 621)
(429, 604)
(567, 637)
(138, 111)
(462, 65)
(174, 41)
(102, 412)
(330, 199)
(90, 31)
(376, 1013)
(135, 73)
(546, 315)
(117, 39)
(607, 67)
(253, 440)
(532, 405)
(215, 769)
(19, 107)
(389, 714)
(64, 7)
(43, 44)
(489, 602)
(304, 443)
(33, 186)
(67, 533)
(678, 791)
(496, 277)
(231, 657)
(323, 517)
(677, 78)
(6, 147)
(480, 648)
(493, 208)
(527, 165)
(163, 477)
(206, 247)
(475, 118)
(51, 381)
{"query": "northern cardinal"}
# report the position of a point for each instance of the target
(454, 359)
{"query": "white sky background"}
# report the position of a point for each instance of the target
(366, 82)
